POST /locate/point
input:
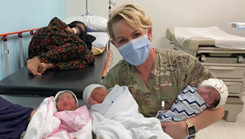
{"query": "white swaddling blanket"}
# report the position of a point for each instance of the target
(44, 124)
(222, 39)
(120, 118)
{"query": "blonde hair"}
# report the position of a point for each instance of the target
(132, 14)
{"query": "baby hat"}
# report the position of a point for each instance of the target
(220, 86)
(65, 91)
(88, 91)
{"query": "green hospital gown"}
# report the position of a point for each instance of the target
(170, 74)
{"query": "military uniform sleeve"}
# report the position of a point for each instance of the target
(196, 73)
(112, 78)
(187, 70)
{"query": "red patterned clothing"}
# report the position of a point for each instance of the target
(53, 44)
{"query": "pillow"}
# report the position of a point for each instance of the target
(97, 51)
(95, 23)
(101, 39)
(89, 39)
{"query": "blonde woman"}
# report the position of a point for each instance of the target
(154, 75)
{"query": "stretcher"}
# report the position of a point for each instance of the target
(22, 82)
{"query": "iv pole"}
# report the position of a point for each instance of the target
(87, 12)
(110, 4)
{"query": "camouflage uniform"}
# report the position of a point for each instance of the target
(170, 74)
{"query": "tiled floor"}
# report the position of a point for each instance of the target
(225, 130)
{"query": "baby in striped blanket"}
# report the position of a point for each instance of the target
(212, 93)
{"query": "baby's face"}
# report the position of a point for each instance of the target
(209, 94)
(99, 94)
(66, 101)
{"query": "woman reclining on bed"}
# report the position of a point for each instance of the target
(60, 46)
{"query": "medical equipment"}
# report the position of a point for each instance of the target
(87, 11)
(225, 64)
(238, 25)
(111, 3)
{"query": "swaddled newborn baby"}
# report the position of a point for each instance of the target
(66, 100)
(115, 114)
(96, 94)
(67, 103)
(60, 117)
(212, 93)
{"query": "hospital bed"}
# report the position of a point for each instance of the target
(52, 81)
(22, 82)
(225, 64)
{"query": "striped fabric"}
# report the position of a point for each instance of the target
(188, 104)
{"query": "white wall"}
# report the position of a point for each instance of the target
(171, 13)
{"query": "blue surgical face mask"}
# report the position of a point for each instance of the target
(136, 51)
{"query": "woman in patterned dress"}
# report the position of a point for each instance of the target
(59, 46)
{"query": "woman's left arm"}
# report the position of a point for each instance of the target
(207, 117)
(178, 130)
(195, 74)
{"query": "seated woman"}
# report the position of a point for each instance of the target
(59, 46)
(154, 75)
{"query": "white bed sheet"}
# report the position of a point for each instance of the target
(222, 39)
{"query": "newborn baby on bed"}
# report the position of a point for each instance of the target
(59, 117)
(212, 93)
(115, 115)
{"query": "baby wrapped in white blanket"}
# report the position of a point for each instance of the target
(59, 118)
(115, 115)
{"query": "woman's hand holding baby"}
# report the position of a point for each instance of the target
(171, 127)
(92, 102)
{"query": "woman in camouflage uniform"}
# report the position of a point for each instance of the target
(57, 46)
(154, 75)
